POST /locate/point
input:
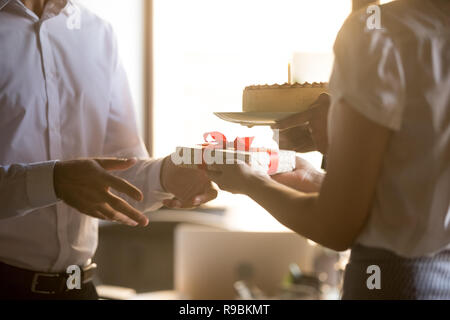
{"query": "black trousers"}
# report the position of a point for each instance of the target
(11, 292)
(16, 284)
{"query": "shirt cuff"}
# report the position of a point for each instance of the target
(155, 175)
(39, 181)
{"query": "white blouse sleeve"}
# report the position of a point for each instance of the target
(368, 73)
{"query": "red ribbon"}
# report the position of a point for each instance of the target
(240, 144)
(220, 141)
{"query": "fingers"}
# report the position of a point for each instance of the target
(126, 209)
(216, 170)
(297, 138)
(215, 176)
(111, 208)
(114, 215)
(172, 203)
(124, 186)
(114, 164)
(99, 215)
(284, 178)
(213, 168)
(177, 204)
(323, 101)
(209, 195)
(294, 120)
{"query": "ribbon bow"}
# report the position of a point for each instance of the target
(219, 141)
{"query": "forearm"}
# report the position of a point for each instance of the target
(296, 210)
(290, 207)
(314, 181)
(25, 188)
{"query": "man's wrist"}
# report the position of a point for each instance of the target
(40, 184)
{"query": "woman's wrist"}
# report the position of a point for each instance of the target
(254, 183)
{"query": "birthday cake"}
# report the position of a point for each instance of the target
(267, 104)
(281, 98)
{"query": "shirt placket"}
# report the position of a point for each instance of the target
(54, 135)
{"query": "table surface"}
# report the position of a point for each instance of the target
(228, 211)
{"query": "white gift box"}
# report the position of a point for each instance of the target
(264, 160)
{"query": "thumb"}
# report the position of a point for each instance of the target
(115, 164)
(209, 195)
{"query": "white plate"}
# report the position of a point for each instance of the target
(253, 118)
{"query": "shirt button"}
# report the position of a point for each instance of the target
(53, 131)
(51, 75)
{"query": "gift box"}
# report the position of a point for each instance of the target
(221, 151)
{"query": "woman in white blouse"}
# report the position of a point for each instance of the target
(386, 192)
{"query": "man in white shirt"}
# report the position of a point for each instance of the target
(64, 95)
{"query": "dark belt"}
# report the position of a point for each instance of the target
(42, 282)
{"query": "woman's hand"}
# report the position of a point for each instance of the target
(235, 178)
(304, 178)
(238, 177)
(306, 131)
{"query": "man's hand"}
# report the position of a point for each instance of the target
(191, 187)
(306, 131)
(304, 178)
(85, 185)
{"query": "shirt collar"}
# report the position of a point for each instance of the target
(3, 3)
(65, 5)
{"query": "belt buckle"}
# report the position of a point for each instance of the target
(87, 272)
(35, 282)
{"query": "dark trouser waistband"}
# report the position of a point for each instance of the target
(360, 252)
(18, 283)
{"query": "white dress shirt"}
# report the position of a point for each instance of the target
(399, 77)
(63, 95)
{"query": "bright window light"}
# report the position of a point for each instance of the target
(207, 51)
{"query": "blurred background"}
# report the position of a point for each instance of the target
(185, 60)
